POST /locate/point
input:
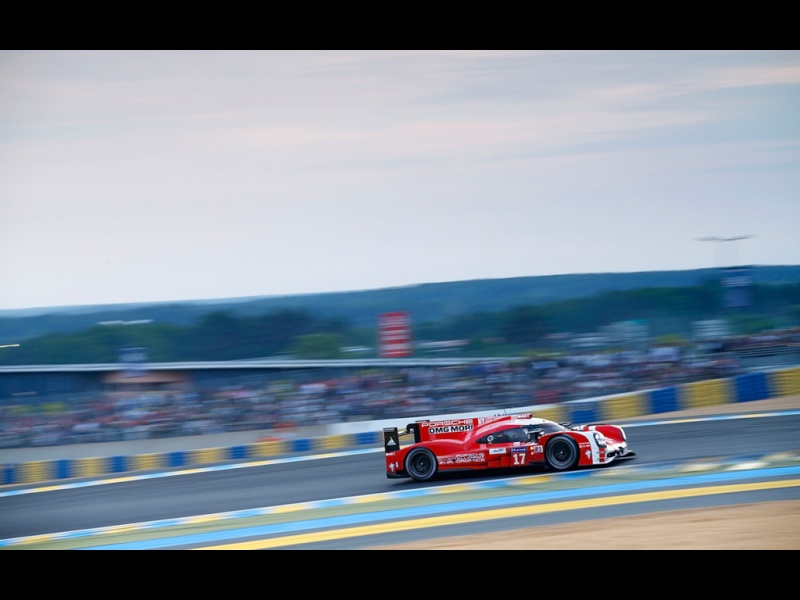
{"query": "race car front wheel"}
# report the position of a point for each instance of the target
(562, 453)
(421, 464)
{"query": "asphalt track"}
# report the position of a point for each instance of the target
(343, 500)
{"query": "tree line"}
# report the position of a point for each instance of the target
(300, 333)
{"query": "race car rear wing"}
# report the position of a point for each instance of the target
(391, 439)
(392, 435)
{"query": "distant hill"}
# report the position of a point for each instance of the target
(426, 301)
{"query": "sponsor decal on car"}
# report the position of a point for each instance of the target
(448, 422)
(497, 450)
(469, 458)
(450, 429)
(518, 449)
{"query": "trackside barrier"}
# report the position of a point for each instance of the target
(176, 459)
(270, 448)
(742, 388)
(699, 394)
(119, 464)
(208, 455)
(239, 452)
(301, 445)
(63, 469)
(626, 406)
(365, 439)
(753, 386)
(147, 462)
(39, 470)
(586, 413)
(556, 412)
(787, 382)
(332, 442)
(663, 400)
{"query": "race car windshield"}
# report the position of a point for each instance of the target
(550, 427)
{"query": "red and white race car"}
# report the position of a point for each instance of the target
(500, 442)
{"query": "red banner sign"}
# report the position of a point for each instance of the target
(394, 334)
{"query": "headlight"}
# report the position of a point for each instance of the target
(600, 438)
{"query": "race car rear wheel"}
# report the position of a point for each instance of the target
(421, 464)
(562, 453)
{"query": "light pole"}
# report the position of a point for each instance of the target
(734, 278)
(718, 240)
(125, 353)
(9, 346)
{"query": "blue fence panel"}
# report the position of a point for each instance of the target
(64, 469)
(752, 386)
(366, 438)
(176, 459)
(119, 464)
(8, 475)
(664, 400)
(584, 414)
(238, 452)
(301, 445)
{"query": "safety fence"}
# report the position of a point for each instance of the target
(742, 388)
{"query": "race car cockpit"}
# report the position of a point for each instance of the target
(517, 434)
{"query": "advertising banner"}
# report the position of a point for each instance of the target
(134, 362)
(736, 282)
(394, 335)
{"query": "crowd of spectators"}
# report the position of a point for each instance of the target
(280, 405)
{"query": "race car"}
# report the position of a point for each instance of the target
(499, 442)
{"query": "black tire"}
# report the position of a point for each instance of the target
(562, 453)
(421, 464)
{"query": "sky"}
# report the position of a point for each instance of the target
(150, 176)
